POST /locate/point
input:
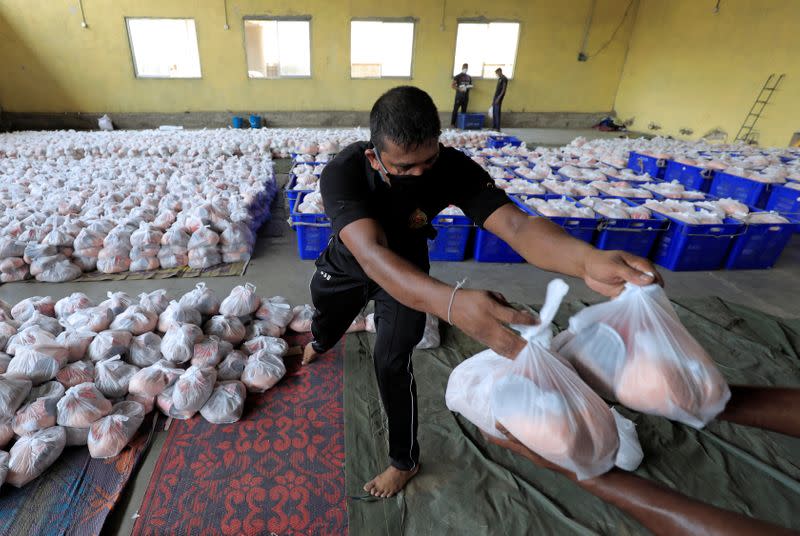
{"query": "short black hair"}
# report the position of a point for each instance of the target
(407, 116)
(498, 70)
(464, 65)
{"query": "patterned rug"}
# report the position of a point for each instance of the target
(74, 496)
(279, 469)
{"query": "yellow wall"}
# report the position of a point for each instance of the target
(48, 63)
(690, 68)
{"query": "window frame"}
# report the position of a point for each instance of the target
(413, 20)
(280, 18)
(136, 74)
(483, 20)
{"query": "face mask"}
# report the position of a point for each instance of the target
(403, 182)
(463, 71)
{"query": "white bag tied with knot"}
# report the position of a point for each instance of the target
(540, 400)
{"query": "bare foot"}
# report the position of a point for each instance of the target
(389, 482)
(309, 355)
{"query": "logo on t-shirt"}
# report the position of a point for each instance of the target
(418, 219)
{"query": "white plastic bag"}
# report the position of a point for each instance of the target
(94, 319)
(32, 455)
(192, 390)
(38, 362)
(145, 349)
(76, 341)
(109, 343)
(135, 319)
(13, 392)
(232, 366)
(272, 345)
(23, 310)
(262, 371)
(177, 344)
(109, 435)
(4, 456)
(117, 302)
(112, 376)
(81, 406)
(175, 314)
(301, 321)
(156, 301)
(209, 352)
(35, 415)
(539, 399)
(634, 349)
(226, 327)
(226, 403)
(203, 299)
(75, 301)
(104, 123)
(153, 380)
(76, 373)
(241, 301)
(430, 338)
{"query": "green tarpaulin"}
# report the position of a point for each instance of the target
(469, 487)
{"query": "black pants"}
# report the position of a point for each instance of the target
(496, 115)
(462, 99)
(338, 297)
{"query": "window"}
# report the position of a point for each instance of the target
(381, 48)
(164, 48)
(278, 48)
(485, 47)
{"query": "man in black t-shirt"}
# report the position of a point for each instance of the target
(499, 94)
(462, 83)
(381, 197)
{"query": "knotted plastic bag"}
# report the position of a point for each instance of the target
(109, 435)
(225, 404)
(81, 406)
(241, 301)
(191, 391)
(32, 455)
(112, 376)
(539, 399)
(634, 349)
(203, 299)
(262, 371)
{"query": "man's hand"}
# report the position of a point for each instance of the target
(607, 272)
(482, 315)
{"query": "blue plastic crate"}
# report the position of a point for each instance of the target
(684, 247)
(580, 228)
(491, 248)
(740, 188)
(784, 200)
(313, 231)
(453, 233)
(693, 177)
(759, 246)
(292, 195)
(497, 142)
(651, 165)
(237, 122)
(255, 121)
(470, 121)
(634, 236)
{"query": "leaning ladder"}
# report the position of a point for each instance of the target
(746, 130)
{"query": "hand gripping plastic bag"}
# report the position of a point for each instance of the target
(191, 391)
(203, 299)
(74, 302)
(145, 349)
(262, 371)
(109, 435)
(242, 301)
(81, 406)
(539, 399)
(177, 344)
(226, 327)
(226, 403)
(109, 343)
(135, 319)
(232, 366)
(32, 455)
(112, 376)
(634, 349)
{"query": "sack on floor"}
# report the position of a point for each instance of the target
(38, 362)
(76, 341)
(13, 392)
(227, 327)
(262, 371)
(95, 319)
(539, 399)
(74, 302)
(241, 301)
(208, 352)
(47, 323)
(634, 349)
(202, 299)
(23, 310)
(155, 302)
(175, 313)
(81, 406)
(153, 380)
(35, 415)
(272, 345)
(177, 344)
(32, 455)
(109, 343)
(301, 319)
(276, 310)
(27, 337)
(76, 373)
(109, 435)
(191, 391)
(112, 376)
(145, 349)
(226, 403)
(135, 319)
(117, 302)
(232, 366)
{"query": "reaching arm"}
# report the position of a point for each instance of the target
(546, 245)
(478, 313)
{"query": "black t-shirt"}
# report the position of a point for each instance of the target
(462, 79)
(502, 83)
(352, 190)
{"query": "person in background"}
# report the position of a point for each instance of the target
(462, 83)
(499, 93)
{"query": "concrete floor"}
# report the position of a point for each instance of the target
(275, 269)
